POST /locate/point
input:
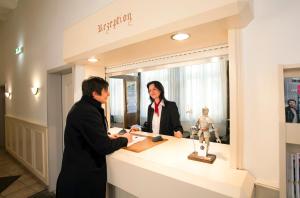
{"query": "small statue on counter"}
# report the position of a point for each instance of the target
(201, 130)
(205, 126)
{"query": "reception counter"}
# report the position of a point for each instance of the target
(165, 171)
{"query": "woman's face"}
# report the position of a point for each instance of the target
(153, 92)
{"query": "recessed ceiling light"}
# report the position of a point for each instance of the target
(93, 60)
(180, 36)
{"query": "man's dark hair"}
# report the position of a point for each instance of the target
(160, 87)
(92, 84)
(289, 100)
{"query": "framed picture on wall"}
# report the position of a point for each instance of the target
(292, 99)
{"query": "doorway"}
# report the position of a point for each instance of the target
(125, 109)
(67, 100)
(132, 101)
(2, 119)
(59, 99)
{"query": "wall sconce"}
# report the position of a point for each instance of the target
(19, 50)
(7, 94)
(35, 90)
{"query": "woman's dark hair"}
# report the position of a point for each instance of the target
(160, 87)
(92, 84)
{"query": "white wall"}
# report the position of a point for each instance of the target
(38, 26)
(272, 38)
(2, 47)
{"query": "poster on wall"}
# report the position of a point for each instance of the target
(292, 99)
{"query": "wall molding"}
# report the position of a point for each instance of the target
(169, 61)
(28, 143)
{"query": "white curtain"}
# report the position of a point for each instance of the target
(116, 89)
(192, 87)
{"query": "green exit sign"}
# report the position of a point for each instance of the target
(19, 50)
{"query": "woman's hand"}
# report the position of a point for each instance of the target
(178, 134)
(134, 129)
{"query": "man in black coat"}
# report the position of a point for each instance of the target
(83, 173)
(291, 112)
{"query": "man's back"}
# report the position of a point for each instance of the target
(86, 144)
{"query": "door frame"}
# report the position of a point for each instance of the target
(138, 83)
(2, 119)
(55, 123)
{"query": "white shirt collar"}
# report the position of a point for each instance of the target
(162, 103)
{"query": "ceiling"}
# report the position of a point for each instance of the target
(6, 6)
(202, 36)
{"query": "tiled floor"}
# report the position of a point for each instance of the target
(24, 186)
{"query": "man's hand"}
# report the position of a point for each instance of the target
(178, 134)
(128, 136)
(113, 136)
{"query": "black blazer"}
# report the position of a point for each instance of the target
(289, 115)
(169, 120)
(83, 172)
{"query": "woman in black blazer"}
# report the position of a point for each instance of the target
(163, 115)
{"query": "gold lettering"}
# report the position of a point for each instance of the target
(124, 18)
(129, 18)
(112, 24)
(100, 28)
(104, 27)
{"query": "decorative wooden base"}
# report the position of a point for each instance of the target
(210, 158)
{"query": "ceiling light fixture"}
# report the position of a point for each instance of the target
(93, 60)
(180, 36)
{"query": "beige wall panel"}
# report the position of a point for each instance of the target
(14, 138)
(39, 152)
(28, 146)
(20, 141)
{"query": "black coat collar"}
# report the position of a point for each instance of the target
(93, 102)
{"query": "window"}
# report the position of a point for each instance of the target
(192, 87)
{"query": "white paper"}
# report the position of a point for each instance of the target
(136, 139)
(116, 130)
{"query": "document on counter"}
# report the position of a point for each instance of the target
(136, 139)
(114, 130)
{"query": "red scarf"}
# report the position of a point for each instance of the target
(156, 107)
